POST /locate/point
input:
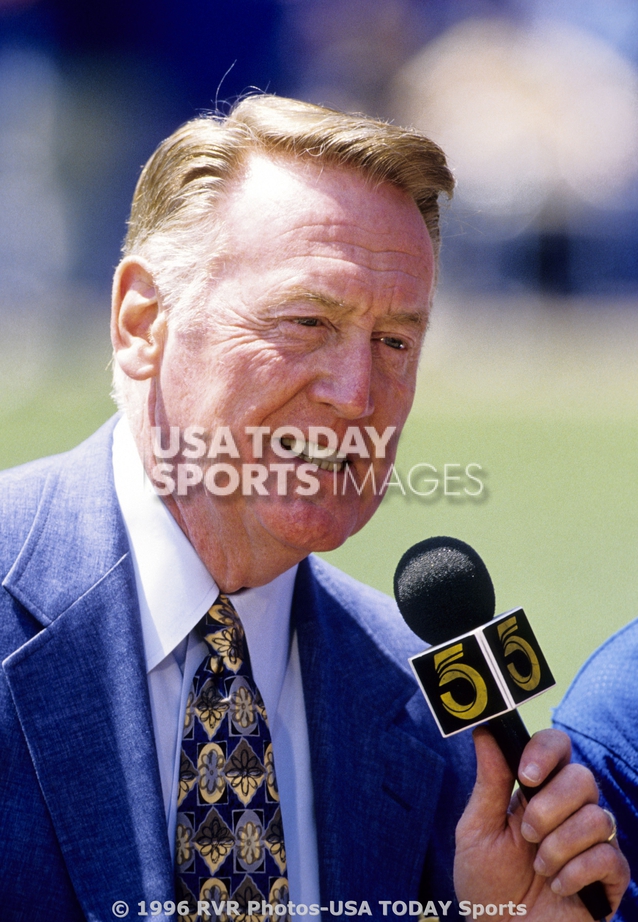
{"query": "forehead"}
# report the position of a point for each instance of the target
(286, 208)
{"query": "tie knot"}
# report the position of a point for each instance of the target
(224, 634)
(223, 612)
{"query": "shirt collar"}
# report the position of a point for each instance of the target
(174, 588)
(265, 614)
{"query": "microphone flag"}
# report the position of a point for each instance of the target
(484, 673)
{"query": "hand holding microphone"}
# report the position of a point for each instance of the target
(477, 671)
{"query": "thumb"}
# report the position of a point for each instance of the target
(486, 812)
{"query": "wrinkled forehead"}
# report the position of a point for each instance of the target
(286, 195)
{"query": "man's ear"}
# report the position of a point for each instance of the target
(138, 326)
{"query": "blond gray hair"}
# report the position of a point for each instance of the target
(174, 219)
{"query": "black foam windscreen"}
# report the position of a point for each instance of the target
(443, 589)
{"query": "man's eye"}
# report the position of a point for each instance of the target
(307, 321)
(393, 342)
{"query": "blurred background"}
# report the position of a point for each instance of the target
(529, 373)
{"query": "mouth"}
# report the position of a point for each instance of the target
(316, 454)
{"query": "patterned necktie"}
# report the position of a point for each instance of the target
(230, 842)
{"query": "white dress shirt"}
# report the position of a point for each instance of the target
(175, 590)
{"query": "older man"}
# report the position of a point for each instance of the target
(191, 704)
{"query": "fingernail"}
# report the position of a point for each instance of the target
(557, 887)
(529, 833)
(531, 773)
(539, 866)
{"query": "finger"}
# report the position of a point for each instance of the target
(602, 862)
(546, 752)
(587, 827)
(572, 788)
(487, 809)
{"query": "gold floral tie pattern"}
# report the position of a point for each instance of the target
(229, 842)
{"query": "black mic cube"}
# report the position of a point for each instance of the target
(483, 673)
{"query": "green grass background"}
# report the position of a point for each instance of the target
(542, 396)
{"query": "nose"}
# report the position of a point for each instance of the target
(344, 380)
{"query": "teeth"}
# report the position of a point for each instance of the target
(334, 462)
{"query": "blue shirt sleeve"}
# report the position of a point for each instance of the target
(600, 714)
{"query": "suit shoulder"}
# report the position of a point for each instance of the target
(600, 714)
(22, 488)
(375, 612)
(602, 701)
(26, 476)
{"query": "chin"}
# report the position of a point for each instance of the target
(313, 529)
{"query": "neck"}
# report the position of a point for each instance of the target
(234, 556)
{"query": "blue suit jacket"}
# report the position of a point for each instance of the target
(600, 713)
(81, 817)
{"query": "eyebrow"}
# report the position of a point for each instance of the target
(293, 295)
(303, 294)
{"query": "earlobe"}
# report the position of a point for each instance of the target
(137, 322)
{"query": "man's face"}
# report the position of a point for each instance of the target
(317, 314)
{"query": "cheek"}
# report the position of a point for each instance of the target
(193, 379)
(256, 367)
(392, 406)
(186, 397)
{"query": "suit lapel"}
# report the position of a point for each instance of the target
(80, 689)
(373, 822)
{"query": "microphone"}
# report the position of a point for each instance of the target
(479, 668)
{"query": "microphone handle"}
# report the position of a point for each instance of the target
(512, 736)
